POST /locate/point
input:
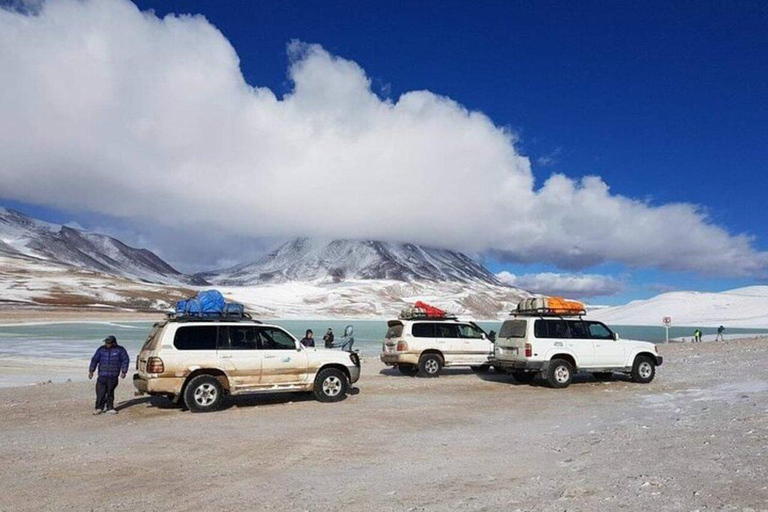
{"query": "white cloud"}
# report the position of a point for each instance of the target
(568, 285)
(110, 110)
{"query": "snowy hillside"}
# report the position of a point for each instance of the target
(340, 260)
(379, 298)
(742, 307)
(21, 235)
(27, 281)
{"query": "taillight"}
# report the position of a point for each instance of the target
(155, 365)
(528, 350)
(401, 346)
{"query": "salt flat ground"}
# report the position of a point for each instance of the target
(694, 439)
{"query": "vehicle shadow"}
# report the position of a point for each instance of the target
(445, 372)
(254, 400)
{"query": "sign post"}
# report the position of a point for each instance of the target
(667, 321)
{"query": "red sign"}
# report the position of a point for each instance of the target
(667, 320)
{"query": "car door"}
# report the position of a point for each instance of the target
(476, 346)
(609, 352)
(450, 343)
(580, 343)
(239, 356)
(283, 362)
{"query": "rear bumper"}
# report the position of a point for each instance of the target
(528, 366)
(158, 386)
(395, 358)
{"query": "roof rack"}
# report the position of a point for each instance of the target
(238, 317)
(423, 311)
(548, 312)
(425, 316)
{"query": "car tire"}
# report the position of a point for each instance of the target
(408, 369)
(643, 370)
(331, 385)
(203, 393)
(559, 373)
(430, 365)
(524, 377)
(483, 368)
(603, 376)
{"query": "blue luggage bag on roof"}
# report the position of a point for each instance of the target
(208, 303)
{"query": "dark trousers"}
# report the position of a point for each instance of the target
(105, 392)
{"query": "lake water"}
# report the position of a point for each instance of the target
(78, 341)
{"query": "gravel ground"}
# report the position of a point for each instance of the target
(694, 439)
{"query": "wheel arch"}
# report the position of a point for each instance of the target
(653, 357)
(564, 355)
(220, 375)
(435, 351)
(335, 366)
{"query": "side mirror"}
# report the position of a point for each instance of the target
(616, 336)
(483, 336)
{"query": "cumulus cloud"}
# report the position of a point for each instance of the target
(110, 110)
(568, 285)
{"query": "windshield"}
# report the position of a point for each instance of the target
(395, 330)
(152, 338)
(513, 329)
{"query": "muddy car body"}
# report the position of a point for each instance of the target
(201, 361)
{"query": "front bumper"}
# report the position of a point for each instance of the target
(354, 374)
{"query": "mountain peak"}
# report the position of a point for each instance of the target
(304, 259)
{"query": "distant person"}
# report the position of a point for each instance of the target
(697, 336)
(347, 340)
(720, 331)
(112, 362)
(309, 339)
(328, 338)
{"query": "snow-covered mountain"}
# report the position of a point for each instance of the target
(23, 237)
(742, 307)
(309, 260)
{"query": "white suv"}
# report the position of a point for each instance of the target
(200, 361)
(423, 347)
(555, 348)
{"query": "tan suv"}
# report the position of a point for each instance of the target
(201, 361)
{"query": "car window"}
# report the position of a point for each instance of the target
(578, 330)
(550, 329)
(423, 330)
(276, 339)
(513, 329)
(195, 337)
(151, 342)
(446, 331)
(598, 331)
(469, 331)
(394, 331)
(241, 337)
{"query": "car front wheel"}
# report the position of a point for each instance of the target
(644, 370)
(331, 385)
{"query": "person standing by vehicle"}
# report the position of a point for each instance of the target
(697, 336)
(112, 361)
(720, 331)
(309, 339)
(328, 338)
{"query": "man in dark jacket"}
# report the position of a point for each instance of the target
(112, 361)
(309, 339)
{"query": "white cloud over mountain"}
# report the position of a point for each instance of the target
(110, 110)
(581, 286)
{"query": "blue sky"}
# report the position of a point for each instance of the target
(665, 101)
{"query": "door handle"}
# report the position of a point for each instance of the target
(225, 357)
(269, 357)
